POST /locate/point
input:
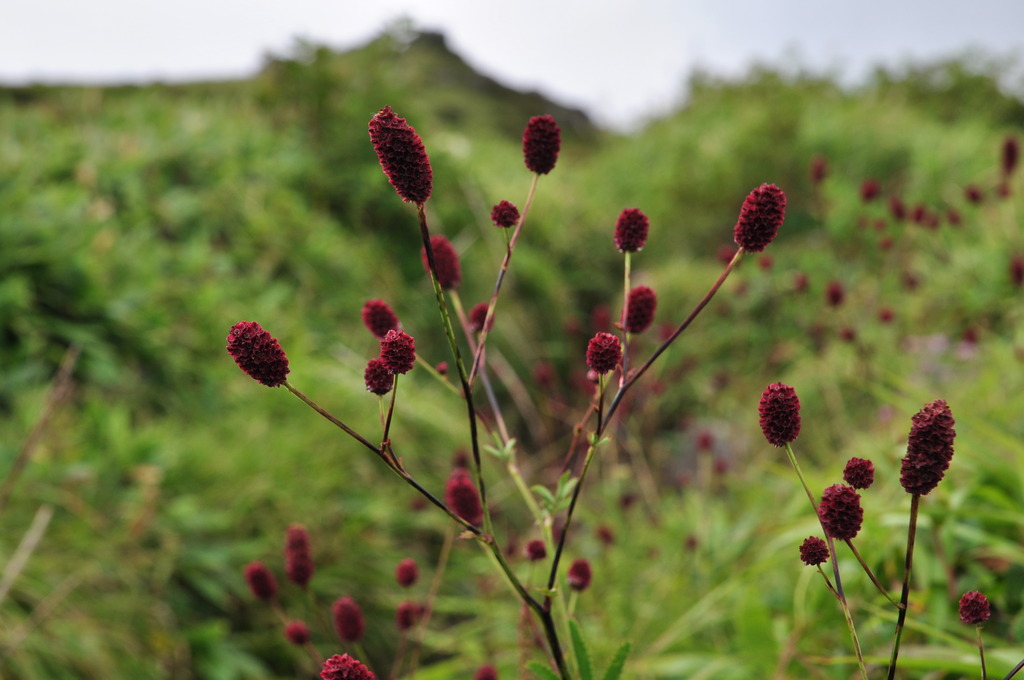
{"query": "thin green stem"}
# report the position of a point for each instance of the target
(631, 380)
(627, 265)
(391, 412)
(492, 398)
(915, 503)
(467, 391)
(489, 320)
(981, 651)
(838, 590)
(871, 574)
(464, 378)
(1016, 669)
(348, 430)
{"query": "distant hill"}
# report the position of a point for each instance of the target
(439, 85)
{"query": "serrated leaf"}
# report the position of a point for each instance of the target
(580, 649)
(543, 672)
(614, 671)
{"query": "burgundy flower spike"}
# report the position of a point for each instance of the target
(631, 230)
(542, 140)
(462, 497)
(261, 581)
(974, 608)
(298, 557)
(257, 353)
(640, 309)
(929, 448)
(407, 572)
(780, 414)
(604, 352)
(504, 214)
(840, 511)
(813, 551)
(762, 214)
(379, 318)
(348, 619)
(379, 380)
(344, 667)
(859, 473)
(580, 575)
(398, 352)
(402, 156)
(449, 271)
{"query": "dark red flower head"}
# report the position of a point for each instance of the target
(297, 633)
(631, 230)
(398, 352)
(1011, 154)
(348, 619)
(402, 156)
(640, 308)
(449, 271)
(261, 581)
(840, 511)
(604, 352)
(542, 139)
(974, 608)
(478, 317)
(897, 208)
(780, 414)
(580, 575)
(298, 558)
(461, 496)
(487, 672)
(974, 194)
(535, 550)
(407, 614)
(344, 667)
(257, 353)
(761, 215)
(407, 572)
(835, 294)
(869, 189)
(505, 214)
(1017, 270)
(819, 169)
(929, 448)
(859, 473)
(379, 318)
(813, 551)
(378, 379)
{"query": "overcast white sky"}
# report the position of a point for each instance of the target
(621, 61)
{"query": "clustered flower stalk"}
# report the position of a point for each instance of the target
(404, 161)
(929, 452)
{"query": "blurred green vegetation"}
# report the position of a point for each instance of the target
(139, 223)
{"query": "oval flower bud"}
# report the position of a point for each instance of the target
(761, 215)
(402, 156)
(780, 414)
(542, 140)
(257, 353)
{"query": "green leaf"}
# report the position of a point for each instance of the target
(580, 649)
(542, 671)
(563, 494)
(614, 671)
(546, 499)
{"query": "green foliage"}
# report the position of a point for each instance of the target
(140, 223)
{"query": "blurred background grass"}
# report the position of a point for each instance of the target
(139, 223)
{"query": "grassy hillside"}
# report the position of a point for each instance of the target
(138, 224)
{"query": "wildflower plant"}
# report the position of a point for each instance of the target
(465, 500)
